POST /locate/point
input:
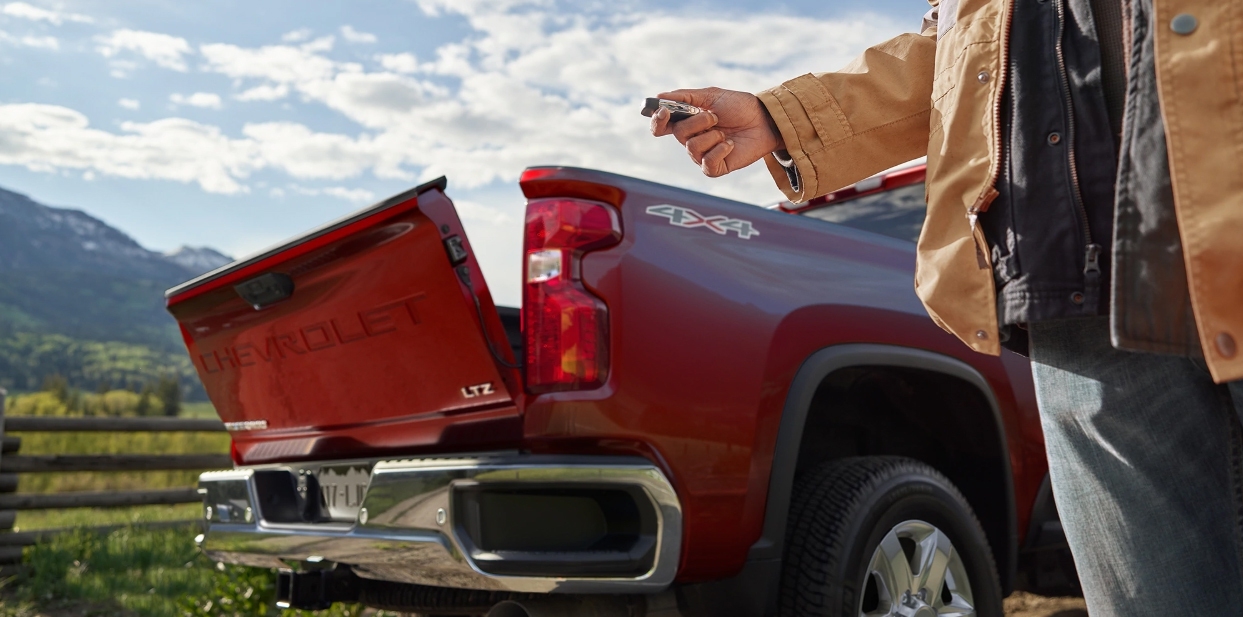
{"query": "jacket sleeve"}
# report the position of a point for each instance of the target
(842, 127)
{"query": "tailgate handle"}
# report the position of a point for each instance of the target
(264, 291)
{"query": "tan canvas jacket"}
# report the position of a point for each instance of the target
(938, 93)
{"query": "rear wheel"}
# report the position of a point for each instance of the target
(885, 536)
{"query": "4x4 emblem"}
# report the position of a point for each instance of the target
(685, 217)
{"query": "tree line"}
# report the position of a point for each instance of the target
(161, 397)
(28, 361)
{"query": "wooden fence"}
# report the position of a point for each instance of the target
(13, 464)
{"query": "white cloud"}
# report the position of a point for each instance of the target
(41, 42)
(198, 99)
(358, 196)
(476, 212)
(534, 85)
(264, 92)
(399, 63)
(38, 42)
(275, 63)
(295, 36)
(129, 103)
(25, 11)
(323, 43)
(50, 138)
(354, 195)
(436, 8)
(354, 36)
(531, 85)
(165, 50)
(303, 153)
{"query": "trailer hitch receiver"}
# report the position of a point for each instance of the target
(315, 589)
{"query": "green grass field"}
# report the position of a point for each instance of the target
(112, 443)
(130, 571)
(203, 410)
(133, 571)
(33, 520)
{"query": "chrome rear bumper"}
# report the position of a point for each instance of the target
(413, 526)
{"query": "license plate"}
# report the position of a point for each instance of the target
(343, 489)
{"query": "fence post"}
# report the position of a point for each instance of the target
(10, 556)
(14, 465)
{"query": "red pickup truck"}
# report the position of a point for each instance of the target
(702, 408)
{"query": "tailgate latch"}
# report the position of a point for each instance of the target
(457, 252)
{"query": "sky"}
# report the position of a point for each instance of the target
(235, 124)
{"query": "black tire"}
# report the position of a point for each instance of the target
(839, 513)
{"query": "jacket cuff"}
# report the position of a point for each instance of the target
(809, 120)
(792, 175)
(824, 149)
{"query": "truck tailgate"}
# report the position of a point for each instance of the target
(370, 334)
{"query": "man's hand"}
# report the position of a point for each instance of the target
(734, 131)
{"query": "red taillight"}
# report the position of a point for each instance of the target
(565, 327)
(235, 454)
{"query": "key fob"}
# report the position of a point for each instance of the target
(677, 111)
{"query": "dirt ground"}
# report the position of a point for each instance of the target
(1018, 605)
(1027, 605)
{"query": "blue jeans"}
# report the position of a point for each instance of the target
(1146, 462)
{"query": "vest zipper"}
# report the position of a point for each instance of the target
(1092, 250)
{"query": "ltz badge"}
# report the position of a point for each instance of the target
(482, 389)
(685, 217)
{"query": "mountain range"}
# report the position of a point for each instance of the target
(70, 281)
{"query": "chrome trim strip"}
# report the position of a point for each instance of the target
(400, 538)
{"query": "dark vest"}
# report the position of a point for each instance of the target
(1051, 225)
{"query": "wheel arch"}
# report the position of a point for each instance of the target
(813, 373)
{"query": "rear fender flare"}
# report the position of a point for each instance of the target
(810, 375)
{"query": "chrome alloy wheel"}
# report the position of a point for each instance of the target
(915, 572)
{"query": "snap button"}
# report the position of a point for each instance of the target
(1225, 345)
(1055, 138)
(982, 335)
(1184, 23)
(983, 77)
(1076, 297)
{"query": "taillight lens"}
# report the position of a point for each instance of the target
(234, 453)
(565, 327)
